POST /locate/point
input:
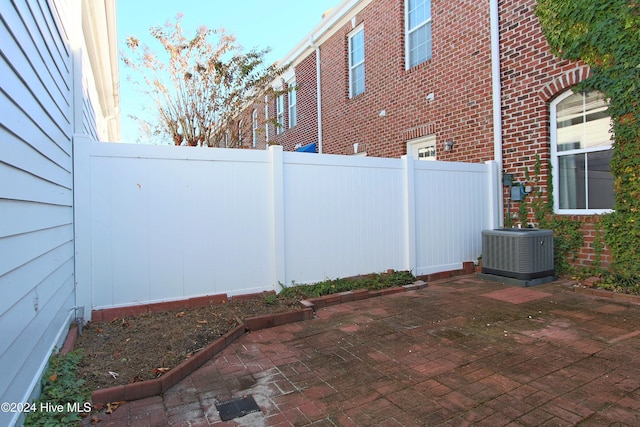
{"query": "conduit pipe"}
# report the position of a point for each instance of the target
(313, 44)
(497, 98)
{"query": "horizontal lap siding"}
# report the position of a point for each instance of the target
(36, 231)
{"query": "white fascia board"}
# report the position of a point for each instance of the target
(325, 29)
(100, 34)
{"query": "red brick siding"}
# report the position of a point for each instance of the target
(528, 70)
(306, 130)
(459, 75)
(247, 126)
(531, 78)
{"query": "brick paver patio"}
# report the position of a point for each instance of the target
(459, 352)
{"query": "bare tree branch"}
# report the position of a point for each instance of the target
(199, 86)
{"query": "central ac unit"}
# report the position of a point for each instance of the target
(524, 254)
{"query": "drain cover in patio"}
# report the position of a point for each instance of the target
(238, 407)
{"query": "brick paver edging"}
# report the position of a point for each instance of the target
(587, 289)
(150, 388)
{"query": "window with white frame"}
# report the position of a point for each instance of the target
(266, 119)
(254, 127)
(422, 148)
(356, 62)
(418, 31)
(293, 109)
(280, 114)
(240, 133)
(581, 153)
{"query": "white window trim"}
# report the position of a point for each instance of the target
(555, 166)
(415, 144)
(350, 36)
(255, 125)
(280, 114)
(407, 56)
(266, 119)
(292, 101)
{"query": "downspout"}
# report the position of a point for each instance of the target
(318, 92)
(497, 102)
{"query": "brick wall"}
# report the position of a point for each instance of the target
(458, 75)
(306, 130)
(531, 78)
(394, 107)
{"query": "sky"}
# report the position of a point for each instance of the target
(276, 24)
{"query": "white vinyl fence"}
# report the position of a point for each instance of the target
(162, 223)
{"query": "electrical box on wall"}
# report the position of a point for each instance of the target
(507, 179)
(516, 193)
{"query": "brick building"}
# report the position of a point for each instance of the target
(466, 81)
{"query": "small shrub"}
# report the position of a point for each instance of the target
(372, 281)
(270, 299)
(621, 283)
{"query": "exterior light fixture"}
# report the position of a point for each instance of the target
(448, 146)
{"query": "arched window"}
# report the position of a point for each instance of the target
(581, 154)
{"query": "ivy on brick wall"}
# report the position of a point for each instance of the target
(568, 239)
(606, 36)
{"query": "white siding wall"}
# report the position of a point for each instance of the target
(36, 231)
(49, 97)
(160, 223)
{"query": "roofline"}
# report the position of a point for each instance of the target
(323, 30)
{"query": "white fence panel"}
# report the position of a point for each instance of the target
(452, 208)
(174, 222)
(167, 223)
(344, 216)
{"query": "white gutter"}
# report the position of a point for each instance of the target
(313, 44)
(334, 19)
(497, 101)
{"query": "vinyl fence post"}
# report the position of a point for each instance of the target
(410, 212)
(277, 211)
(82, 148)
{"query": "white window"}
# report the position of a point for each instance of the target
(280, 114)
(422, 148)
(254, 121)
(418, 31)
(356, 62)
(293, 110)
(581, 154)
(266, 119)
(240, 133)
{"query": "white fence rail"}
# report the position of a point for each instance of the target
(158, 223)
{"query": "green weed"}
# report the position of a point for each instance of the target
(63, 393)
